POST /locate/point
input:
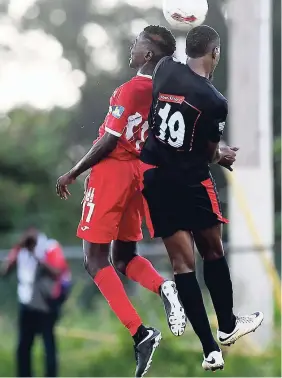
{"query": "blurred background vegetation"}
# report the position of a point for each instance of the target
(42, 135)
(92, 343)
(47, 123)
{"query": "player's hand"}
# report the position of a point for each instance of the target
(62, 185)
(228, 157)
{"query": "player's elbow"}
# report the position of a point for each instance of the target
(213, 152)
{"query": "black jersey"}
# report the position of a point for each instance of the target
(187, 111)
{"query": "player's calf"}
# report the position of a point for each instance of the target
(105, 277)
(142, 271)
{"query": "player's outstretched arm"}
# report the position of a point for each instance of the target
(99, 151)
(10, 262)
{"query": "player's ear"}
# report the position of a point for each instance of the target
(149, 56)
(216, 53)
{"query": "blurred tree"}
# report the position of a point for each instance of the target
(36, 147)
(31, 148)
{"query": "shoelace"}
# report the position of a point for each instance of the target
(244, 319)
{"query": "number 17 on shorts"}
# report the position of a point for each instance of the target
(87, 208)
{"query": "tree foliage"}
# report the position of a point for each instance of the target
(36, 147)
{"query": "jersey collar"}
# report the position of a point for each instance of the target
(148, 76)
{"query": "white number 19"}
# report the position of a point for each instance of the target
(175, 124)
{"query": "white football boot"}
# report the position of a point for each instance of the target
(244, 325)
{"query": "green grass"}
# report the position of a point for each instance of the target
(92, 343)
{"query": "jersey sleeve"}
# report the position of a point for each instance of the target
(121, 107)
(216, 122)
(215, 130)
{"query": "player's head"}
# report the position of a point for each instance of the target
(30, 242)
(203, 42)
(152, 44)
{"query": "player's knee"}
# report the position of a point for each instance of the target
(181, 265)
(213, 254)
(119, 265)
(93, 266)
(90, 268)
(96, 257)
(213, 250)
(121, 255)
(209, 243)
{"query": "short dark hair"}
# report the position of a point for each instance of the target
(162, 37)
(30, 242)
(201, 40)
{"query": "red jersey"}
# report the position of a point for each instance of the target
(128, 116)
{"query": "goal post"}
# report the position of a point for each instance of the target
(250, 129)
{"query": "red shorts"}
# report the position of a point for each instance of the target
(113, 206)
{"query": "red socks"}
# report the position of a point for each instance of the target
(139, 270)
(142, 271)
(112, 289)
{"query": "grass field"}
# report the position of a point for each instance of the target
(92, 343)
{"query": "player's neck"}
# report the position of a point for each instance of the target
(197, 65)
(147, 70)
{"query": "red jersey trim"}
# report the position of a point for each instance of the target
(208, 184)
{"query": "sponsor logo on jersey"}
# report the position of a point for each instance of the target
(116, 111)
(171, 98)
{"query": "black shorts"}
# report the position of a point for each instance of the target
(178, 203)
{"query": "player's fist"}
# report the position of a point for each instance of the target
(62, 185)
(228, 156)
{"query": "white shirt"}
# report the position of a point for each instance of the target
(26, 268)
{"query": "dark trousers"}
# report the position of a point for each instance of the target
(32, 323)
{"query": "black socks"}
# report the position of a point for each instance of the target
(192, 300)
(218, 281)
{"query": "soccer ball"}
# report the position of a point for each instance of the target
(185, 14)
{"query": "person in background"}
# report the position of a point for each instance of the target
(44, 282)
